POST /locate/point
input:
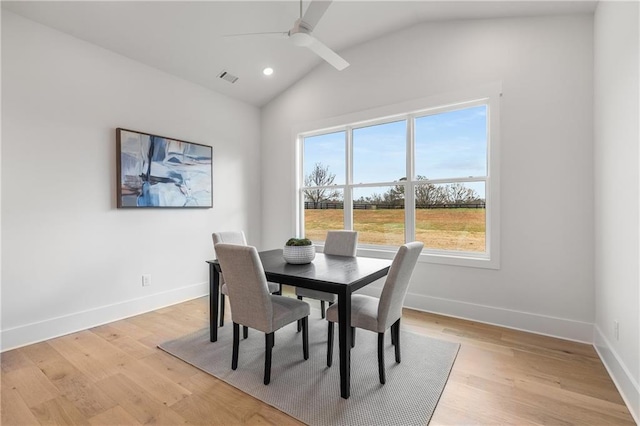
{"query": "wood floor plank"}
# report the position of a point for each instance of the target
(203, 383)
(108, 332)
(72, 383)
(115, 375)
(196, 407)
(133, 347)
(103, 351)
(196, 318)
(32, 385)
(88, 398)
(114, 416)
(272, 416)
(124, 327)
(155, 384)
(59, 411)
(159, 325)
(216, 393)
(139, 404)
(586, 408)
(14, 409)
(14, 360)
(89, 360)
(170, 366)
(42, 354)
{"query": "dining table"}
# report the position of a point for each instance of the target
(340, 275)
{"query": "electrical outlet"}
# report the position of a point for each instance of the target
(616, 329)
(146, 280)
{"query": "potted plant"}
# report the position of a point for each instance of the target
(299, 251)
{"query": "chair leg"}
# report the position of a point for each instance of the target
(353, 337)
(221, 309)
(322, 309)
(395, 331)
(279, 292)
(299, 321)
(236, 343)
(245, 331)
(393, 334)
(330, 344)
(268, 346)
(381, 358)
(305, 337)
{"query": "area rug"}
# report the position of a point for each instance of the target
(310, 391)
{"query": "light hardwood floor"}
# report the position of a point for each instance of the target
(115, 375)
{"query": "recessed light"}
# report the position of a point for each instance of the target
(267, 71)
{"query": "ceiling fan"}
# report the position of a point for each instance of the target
(301, 34)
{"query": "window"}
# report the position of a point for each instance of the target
(451, 174)
(324, 169)
(428, 175)
(379, 158)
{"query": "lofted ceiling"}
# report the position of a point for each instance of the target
(185, 38)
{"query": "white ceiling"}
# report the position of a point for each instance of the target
(184, 38)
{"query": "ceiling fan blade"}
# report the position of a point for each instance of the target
(274, 34)
(315, 11)
(327, 54)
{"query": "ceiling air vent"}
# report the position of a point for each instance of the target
(228, 77)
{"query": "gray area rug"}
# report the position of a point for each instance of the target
(310, 391)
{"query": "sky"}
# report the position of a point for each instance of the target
(447, 145)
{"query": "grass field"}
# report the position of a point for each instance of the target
(444, 229)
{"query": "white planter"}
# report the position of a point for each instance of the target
(299, 255)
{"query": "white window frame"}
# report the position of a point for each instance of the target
(489, 95)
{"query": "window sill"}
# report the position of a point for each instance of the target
(453, 259)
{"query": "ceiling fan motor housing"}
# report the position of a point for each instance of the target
(300, 34)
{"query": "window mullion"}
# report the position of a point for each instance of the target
(348, 190)
(452, 180)
(299, 176)
(409, 198)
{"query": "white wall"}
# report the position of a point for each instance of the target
(545, 283)
(71, 260)
(617, 194)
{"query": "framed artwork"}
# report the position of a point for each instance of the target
(159, 172)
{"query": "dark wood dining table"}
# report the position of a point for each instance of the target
(333, 274)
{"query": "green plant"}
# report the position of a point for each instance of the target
(298, 242)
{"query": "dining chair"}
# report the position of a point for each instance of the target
(337, 243)
(378, 314)
(234, 237)
(253, 306)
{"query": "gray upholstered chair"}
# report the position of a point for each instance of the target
(253, 306)
(234, 237)
(337, 243)
(371, 313)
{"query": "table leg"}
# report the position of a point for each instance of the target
(214, 296)
(344, 326)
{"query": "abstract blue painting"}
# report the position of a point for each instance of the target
(155, 171)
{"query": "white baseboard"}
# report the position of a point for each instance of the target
(627, 386)
(54, 327)
(534, 323)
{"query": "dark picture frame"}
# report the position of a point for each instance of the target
(160, 172)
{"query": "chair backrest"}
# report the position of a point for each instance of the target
(229, 237)
(341, 243)
(248, 291)
(397, 283)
